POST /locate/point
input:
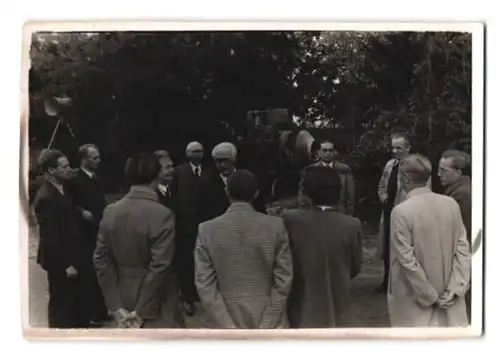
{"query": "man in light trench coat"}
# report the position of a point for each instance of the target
(391, 194)
(430, 255)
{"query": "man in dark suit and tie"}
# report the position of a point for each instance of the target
(326, 153)
(62, 246)
(185, 187)
(214, 200)
(86, 191)
(165, 177)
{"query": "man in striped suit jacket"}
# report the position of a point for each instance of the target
(243, 262)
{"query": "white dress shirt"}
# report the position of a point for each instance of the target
(193, 168)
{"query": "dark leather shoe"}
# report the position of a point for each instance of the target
(189, 309)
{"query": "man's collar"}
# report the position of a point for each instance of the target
(240, 206)
(419, 190)
(142, 192)
(58, 186)
(193, 166)
(87, 172)
(164, 189)
(224, 178)
(458, 183)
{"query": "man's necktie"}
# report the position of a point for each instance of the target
(197, 172)
(392, 186)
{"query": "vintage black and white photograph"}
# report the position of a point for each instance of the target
(314, 177)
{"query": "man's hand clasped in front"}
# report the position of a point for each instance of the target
(128, 320)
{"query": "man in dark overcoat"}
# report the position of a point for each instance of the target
(86, 191)
(62, 246)
(185, 186)
(452, 172)
(326, 251)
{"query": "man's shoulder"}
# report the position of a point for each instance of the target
(139, 208)
(462, 191)
(211, 223)
(342, 167)
(274, 221)
(43, 194)
(416, 203)
(182, 168)
(293, 213)
(351, 221)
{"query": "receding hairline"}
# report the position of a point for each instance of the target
(400, 135)
(417, 164)
(83, 151)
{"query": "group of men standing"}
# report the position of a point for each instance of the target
(69, 207)
(425, 238)
(196, 233)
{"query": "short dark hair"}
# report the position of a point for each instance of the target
(48, 159)
(322, 185)
(242, 185)
(142, 169)
(459, 159)
(83, 151)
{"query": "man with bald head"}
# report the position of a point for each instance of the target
(430, 255)
(185, 187)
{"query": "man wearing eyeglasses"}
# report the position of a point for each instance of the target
(452, 172)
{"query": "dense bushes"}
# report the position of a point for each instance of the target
(144, 91)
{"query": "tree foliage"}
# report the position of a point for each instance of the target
(143, 91)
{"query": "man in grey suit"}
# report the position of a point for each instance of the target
(135, 251)
(430, 255)
(243, 262)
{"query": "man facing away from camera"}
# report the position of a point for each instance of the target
(62, 247)
(346, 203)
(86, 190)
(243, 262)
(452, 171)
(430, 255)
(326, 250)
(390, 194)
(135, 251)
(186, 186)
